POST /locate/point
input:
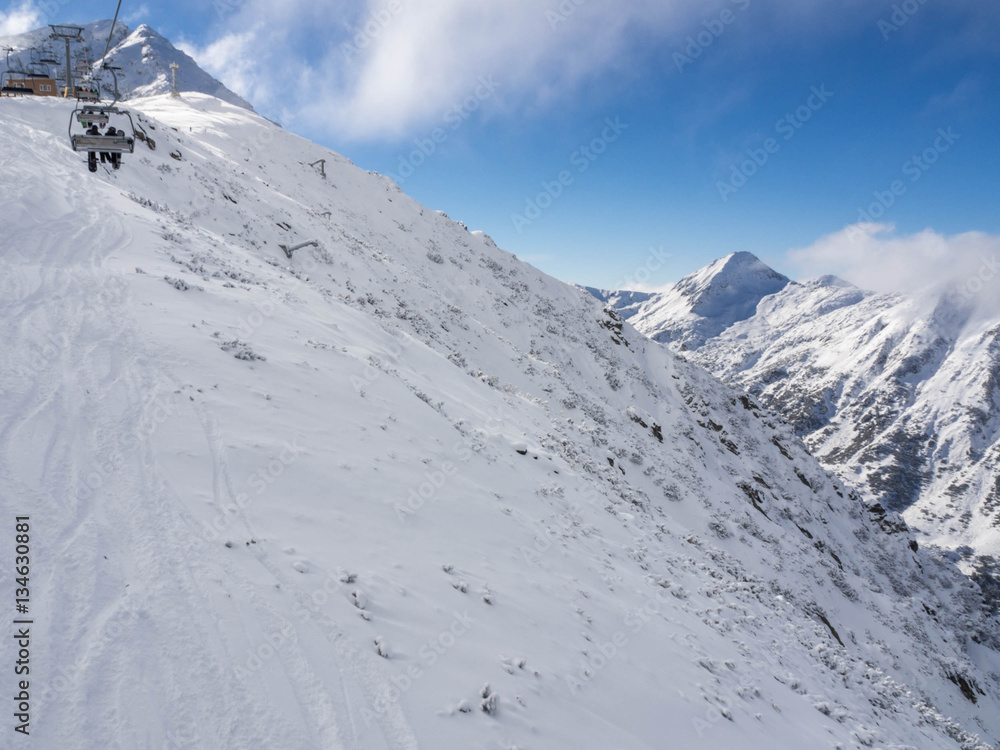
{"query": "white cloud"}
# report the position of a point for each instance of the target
(232, 59)
(967, 91)
(138, 15)
(393, 68)
(390, 68)
(875, 256)
(21, 18)
(430, 57)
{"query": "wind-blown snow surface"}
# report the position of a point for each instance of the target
(900, 394)
(143, 55)
(406, 491)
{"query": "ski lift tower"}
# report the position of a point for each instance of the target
(6, 70)
(174, 93)
(67, 34)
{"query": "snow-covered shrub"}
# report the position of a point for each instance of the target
(240, 349)
(491, 701)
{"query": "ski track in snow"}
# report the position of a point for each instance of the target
(98, 353)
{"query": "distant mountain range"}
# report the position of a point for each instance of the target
(899, 394)
(143, 55)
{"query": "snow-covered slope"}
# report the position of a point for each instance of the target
(143, 55)
(405, 491)
(899, 394)
(706, 303)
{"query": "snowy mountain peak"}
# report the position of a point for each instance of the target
(709, 301)
(731, 287)
(144, 55)
(741, 259)
(828, 280)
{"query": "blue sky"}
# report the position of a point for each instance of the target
(741, 125)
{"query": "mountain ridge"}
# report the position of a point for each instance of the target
(868, 380)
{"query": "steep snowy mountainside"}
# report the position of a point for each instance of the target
(143, 55)
(899, 394)
(401, 490)
(902, 398)
(706, 303)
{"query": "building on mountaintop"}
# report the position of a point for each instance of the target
(37, 86)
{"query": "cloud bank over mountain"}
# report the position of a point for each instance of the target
(875, 256)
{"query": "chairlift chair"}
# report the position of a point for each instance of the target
(47, 56)
(114, 70)
(87, 92)
(37, 63)
(89, 115)
(86, 89)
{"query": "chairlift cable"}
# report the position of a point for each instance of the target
(111, 33)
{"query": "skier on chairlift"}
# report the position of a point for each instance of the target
(106, 156)
(94, 118)
(92, 155)
(114, 157)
